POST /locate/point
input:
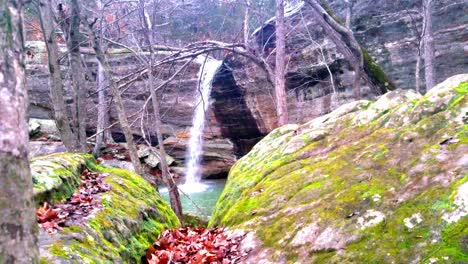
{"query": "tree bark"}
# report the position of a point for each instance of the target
(429, 50)
(349, 13)
(78, 74)
(346, 44)
(102, 111)
(18, 226)
(246, 23)
(55, 80)
(103, 116)
(280, 82)
(168, 180)
(118, 101)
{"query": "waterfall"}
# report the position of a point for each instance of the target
(208, 69)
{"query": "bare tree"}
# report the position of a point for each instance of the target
(246, 23)
(280, 67)
(103, 106)
(349, 12)
(419, 35)
(18, 227)
(168, 180)
(117, 98)
(55, 79)
(345, 42)
(429, 50)
(71, 27)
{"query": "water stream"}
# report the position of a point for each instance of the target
(208, 69)
(200, 203)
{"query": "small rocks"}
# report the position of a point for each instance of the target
(370, 218)
(413, 221)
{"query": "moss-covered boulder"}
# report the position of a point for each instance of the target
(132, 217)
(372, 182)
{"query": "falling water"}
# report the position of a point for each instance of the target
(208, 69)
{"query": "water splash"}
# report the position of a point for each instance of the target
(208, 69)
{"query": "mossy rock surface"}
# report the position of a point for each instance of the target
(371, 182)
(132, 217)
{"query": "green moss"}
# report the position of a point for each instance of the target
(379, 77)
(132, 217)
(394, 166)
(57, 176)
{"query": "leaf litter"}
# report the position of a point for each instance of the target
(81, 204)
(194, 246)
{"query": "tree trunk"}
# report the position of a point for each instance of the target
(118, 101)
(417, 76)
(429, 50)
(55, 81)
(103, 117)
(349, 13)
(18, 226)
(168, 180)
(78, 74)
(102, 111)
(280, 86)
(246, 23)
(347, 44)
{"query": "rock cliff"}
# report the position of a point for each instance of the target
(243, 109)
(370, 182)
(386, 29)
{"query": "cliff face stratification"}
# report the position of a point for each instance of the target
(370, 182)
(243, 108)
(387, 31)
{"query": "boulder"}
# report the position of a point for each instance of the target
(46, 126)
(218, 155)
(371, 182)
(37, 148)
(34, 128)
(132, 216)
(145, 152)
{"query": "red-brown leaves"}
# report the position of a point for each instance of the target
(194, 246)
(46, 213)
(81, 204)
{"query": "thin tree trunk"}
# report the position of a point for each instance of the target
(171, 186)
(118, 101)
(55, 81)
(246, 23)
(345, 42)
(417, 76)
(280, 82)
(102, 111)
(78, 74)
(349, 13)
(18, 227)
(429, 50)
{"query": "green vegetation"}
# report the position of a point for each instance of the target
(380, 186)
(132, 217)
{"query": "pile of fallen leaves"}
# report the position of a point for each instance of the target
(81, 204)
(194, 246)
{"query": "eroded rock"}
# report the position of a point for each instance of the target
(381, 181)
(133, 214)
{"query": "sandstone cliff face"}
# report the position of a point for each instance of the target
(177, 105)
(384, 28)
(243, 108)
(370, 182)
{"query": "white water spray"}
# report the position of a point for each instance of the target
(208, 69)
